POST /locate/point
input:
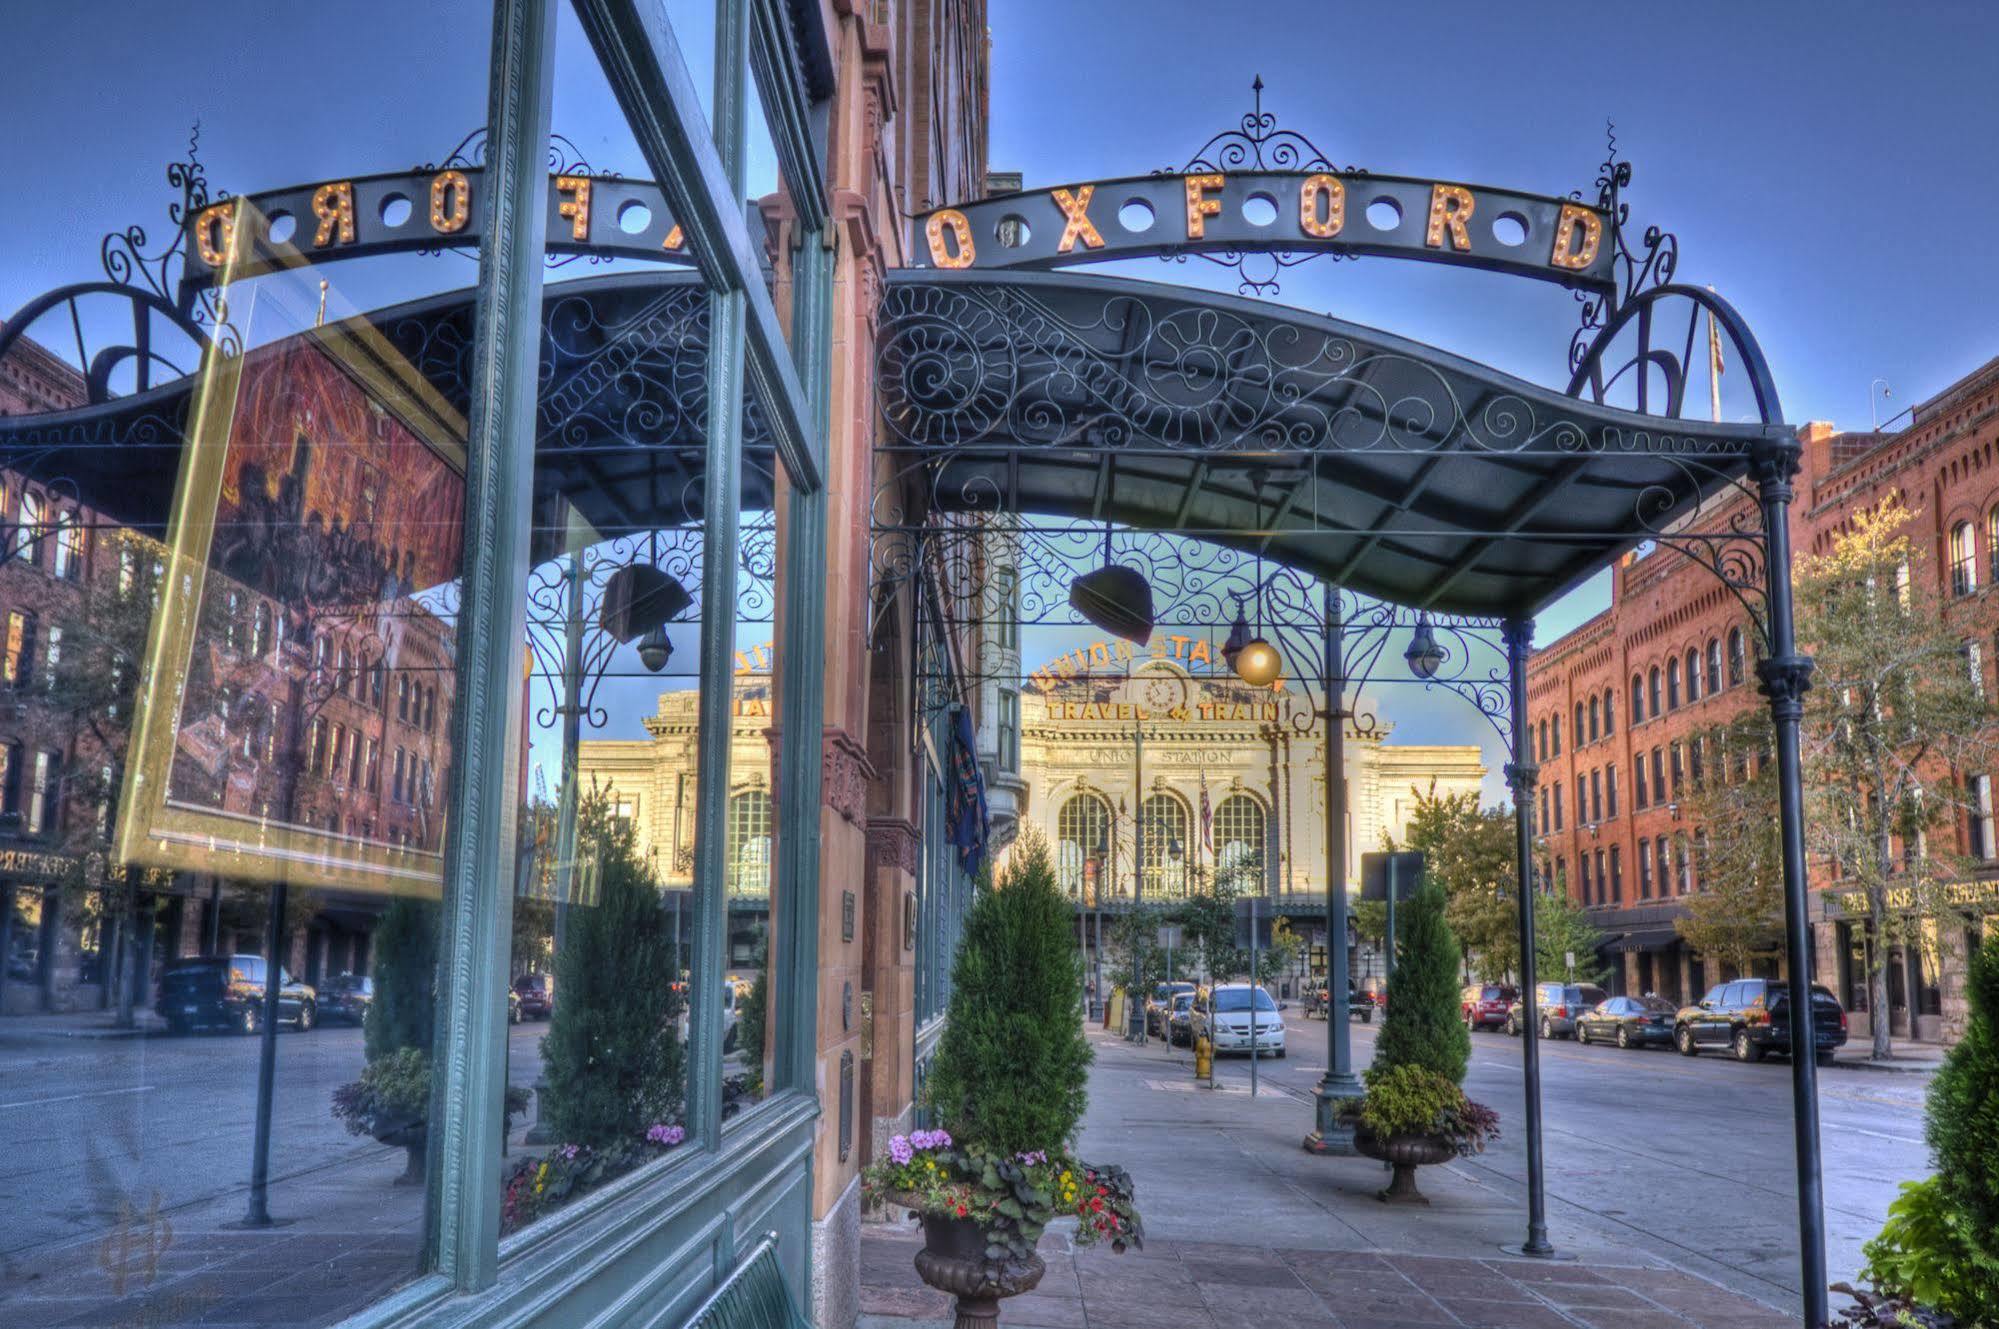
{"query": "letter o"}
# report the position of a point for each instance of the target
(1334, 191)
(450, 202)
(961, 234)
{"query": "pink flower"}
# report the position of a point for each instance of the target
(899, 1150)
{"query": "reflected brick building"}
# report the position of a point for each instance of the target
(1624, 708)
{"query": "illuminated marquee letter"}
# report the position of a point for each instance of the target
(1322, 206)
(450, 202)
(952, 220)
(1199, 206)
(1076, 219)
(675, 238)
(1450, 205)
(577, 207)
(215, 233)
(1566, 253)
(334, 206)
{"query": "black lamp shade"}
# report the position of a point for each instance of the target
(639, 598)
(1424, 655)
(1117, 599)
(655, 650)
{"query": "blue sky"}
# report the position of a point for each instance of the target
(1825, 165)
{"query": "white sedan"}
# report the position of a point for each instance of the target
(1224, 1015)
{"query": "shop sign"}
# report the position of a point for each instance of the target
(1299, 212)
(1902, 899)
(35, 865)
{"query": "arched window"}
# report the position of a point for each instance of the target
(1595, 718)
(1735, 661)
(749, 843)
(1082, 844)
(1637, 700)
(1693, 676)
(1609, 711)
(1713, 665)
(1165, 833)
(1673, 684)
(1683, 879)
(1652, 693)
(1555, 734)
(1963, 559)
(1240, 828)
(1580, 739)
(1992, 543)
(1541, 741)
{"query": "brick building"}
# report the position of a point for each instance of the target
(1624, 710)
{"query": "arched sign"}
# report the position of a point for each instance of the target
(417, 211)
(1344, 212)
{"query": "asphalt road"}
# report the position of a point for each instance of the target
(1691, 1159)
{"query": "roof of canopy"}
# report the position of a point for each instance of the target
(1392, 468)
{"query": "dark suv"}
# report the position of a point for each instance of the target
(537, 994)
(227, 992)
(1751, 1016)
(346, 997)
(1484, 1005)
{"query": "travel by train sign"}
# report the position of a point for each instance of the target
(1345, 212)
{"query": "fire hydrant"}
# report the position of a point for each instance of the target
(1204, 1058)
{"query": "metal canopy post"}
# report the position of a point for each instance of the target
(1520, 776)
(1786, 675)
(1134, 1011)
(1331, 1134)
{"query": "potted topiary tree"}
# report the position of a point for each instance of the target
(1414, 1113)
(1008, 1085)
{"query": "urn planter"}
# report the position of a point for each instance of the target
(954, 1260)
(413, 1138)
(1404, 1153)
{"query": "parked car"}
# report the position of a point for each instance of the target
(1160, 1004)
(346, 997)
(1485, 1005)
(1318, 1001)
(1751, 1016)
(1180, 1020)
(1629, 1022)
(227, 992)
(1223, 1016)
(1558, 1005)
(537, 993)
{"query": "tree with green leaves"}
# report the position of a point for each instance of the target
(612, 1058)
(1737, 916)
(1423, 1026)
(1562, 929)
(1893, 720)
(752, 1015)
(1469, 851)
(1011, 1070)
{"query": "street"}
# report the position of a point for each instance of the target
(126, 1163)
(1688, 1160)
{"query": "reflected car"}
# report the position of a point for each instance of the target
(346, 997)
(1558, 1005)
(1159, 1005)
(1236, 1017)
(1751, 1017)
(1180, 1020)
(537, 994)
(1629, 1022)
(227, 992)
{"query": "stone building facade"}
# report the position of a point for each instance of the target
(1623, 711)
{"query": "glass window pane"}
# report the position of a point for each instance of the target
(208, 857)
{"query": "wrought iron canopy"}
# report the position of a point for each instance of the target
(1403, 472)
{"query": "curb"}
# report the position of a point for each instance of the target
(1899, 1067)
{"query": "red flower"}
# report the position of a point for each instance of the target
(961, 1211)
(1097, 1203)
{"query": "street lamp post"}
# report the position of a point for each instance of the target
(1331, 1133)
(1135, 1012)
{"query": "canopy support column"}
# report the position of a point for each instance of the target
(1786, 676)
(1521, 774)
(1331, 1133)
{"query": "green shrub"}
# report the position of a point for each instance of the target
(404, 1008)
(1010, 1070)
(393, 1093)
(752, 1014)
(612, 1057)
(1929, 1253)
(1406, 1100)
(1423, 1026)
(1963, 1110)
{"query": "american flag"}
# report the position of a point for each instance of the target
(1207, 817)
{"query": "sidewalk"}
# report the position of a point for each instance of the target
(1907, 1058)
(84, 1024)
(1243, 1228)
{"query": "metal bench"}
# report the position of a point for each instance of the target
(753, 1296)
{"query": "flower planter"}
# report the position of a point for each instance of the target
(1405, 1153)
(953, 1260)
(413, 1138)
